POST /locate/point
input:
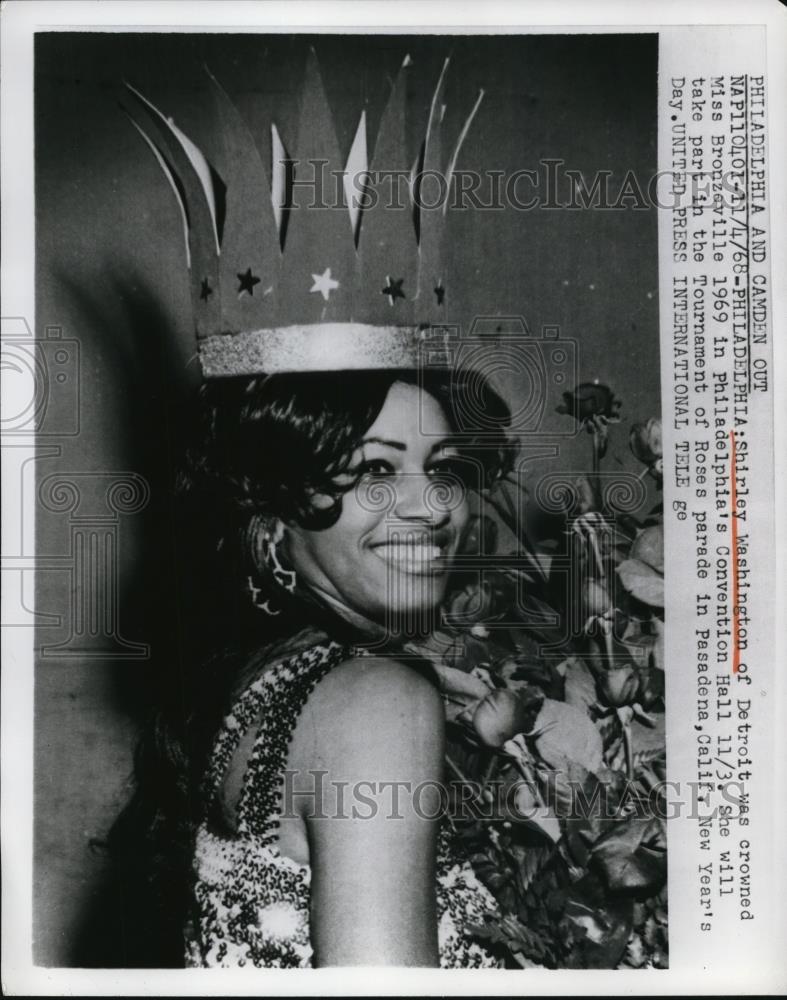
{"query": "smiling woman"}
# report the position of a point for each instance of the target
(389, 557)
(359, 480)
(322, 514)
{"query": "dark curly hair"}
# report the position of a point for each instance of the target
(256, 448)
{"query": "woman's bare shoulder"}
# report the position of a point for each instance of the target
(371, 708)
(368, 674)
(377, 739)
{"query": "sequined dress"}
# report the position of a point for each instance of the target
(251, 901)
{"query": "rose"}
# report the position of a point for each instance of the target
(597, 600)
(588, 400)
(499, 717)
(645, 443)
(474, 603)
(619, 685)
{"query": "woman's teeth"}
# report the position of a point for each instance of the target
(410, 556)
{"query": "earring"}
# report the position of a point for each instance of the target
(268, 552)
(285, 578)
(255, 594)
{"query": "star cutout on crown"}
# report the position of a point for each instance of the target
(324, 283)
(247, 281)
(393, 289)
(205, 291)
(439, 291)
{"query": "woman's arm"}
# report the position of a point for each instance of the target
(372, 721)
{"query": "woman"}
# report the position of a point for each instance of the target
(329, 481)
(337, 501)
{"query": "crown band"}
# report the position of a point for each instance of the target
(323, 347)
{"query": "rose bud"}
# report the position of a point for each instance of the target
(586, 498)
(525, 802)
(619, 686)
(499, 717)
(597, 600)
(651, 688)
(645, 441)
(588, 400)
(474, 603)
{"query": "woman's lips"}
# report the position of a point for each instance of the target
(416, 554)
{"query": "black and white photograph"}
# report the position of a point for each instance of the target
(390, 526)
(357, 401)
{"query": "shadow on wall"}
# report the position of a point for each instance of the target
(133, 393)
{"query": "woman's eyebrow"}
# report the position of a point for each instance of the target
(446, 442)
(399, 445)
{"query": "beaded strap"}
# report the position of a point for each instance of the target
(276, 700)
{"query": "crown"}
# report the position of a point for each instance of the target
(291, 270)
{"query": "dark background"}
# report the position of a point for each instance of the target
(111, 272)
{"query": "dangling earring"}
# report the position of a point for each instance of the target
(285, 578)
(255, 594)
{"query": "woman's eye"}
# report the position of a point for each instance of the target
(376, 467)
(452, 469)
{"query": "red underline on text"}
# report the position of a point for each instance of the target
(736, 652)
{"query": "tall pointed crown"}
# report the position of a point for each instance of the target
(285, 275)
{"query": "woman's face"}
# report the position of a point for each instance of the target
(390, 550)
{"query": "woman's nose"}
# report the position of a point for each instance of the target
(420, 498)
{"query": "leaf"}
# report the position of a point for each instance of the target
(589, 919)
(501, 716)
(600, 929)
(648, 547)
(544, 560)
(480, 536)
(657, 652)
(461, 691)
(521, 670)
(632, 856)
(476, 651)
(615, 755)
(509, 932)
(529, 810)
(651, 688)
(599, 925)
(564, 736)
(580, 687)
(531, 862)
(460, 684)
(643, 582)
(644, 738)
(639, 644)
(482, 674)
(438, 646)
(636, 955)
(535, 613)
(612, 736)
